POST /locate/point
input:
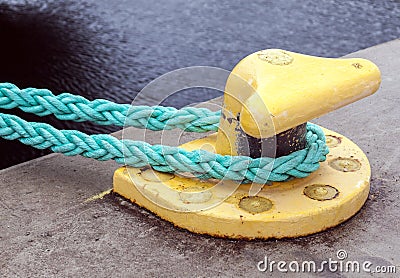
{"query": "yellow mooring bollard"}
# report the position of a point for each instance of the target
(267, 118)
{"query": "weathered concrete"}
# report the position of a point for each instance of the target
(47, 228)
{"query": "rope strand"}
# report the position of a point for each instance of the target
(202, 164)
(65, 106)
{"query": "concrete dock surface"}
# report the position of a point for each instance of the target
(49, 228)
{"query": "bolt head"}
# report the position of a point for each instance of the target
(345, 164)
(255, 204)
(332, 141)
(320, 192)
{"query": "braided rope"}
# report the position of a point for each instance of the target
(200, 163)
(65, 106)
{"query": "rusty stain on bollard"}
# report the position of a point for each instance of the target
(255, 204)
(320, 192)
(345, 164)
(357, 65)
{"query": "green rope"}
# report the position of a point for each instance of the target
(70, 107)
(203, 164)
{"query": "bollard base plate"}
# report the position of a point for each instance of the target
(299, 207)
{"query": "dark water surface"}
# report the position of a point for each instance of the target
(112, 49)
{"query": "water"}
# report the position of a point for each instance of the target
(102, 50)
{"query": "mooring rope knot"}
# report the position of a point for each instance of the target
(202, 164)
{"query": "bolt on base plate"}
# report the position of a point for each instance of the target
(298, 207)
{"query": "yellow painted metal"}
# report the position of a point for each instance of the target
(289, 209)
(267, 93)
(273, 90)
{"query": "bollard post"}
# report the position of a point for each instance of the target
(269, 97)
(287, 90)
